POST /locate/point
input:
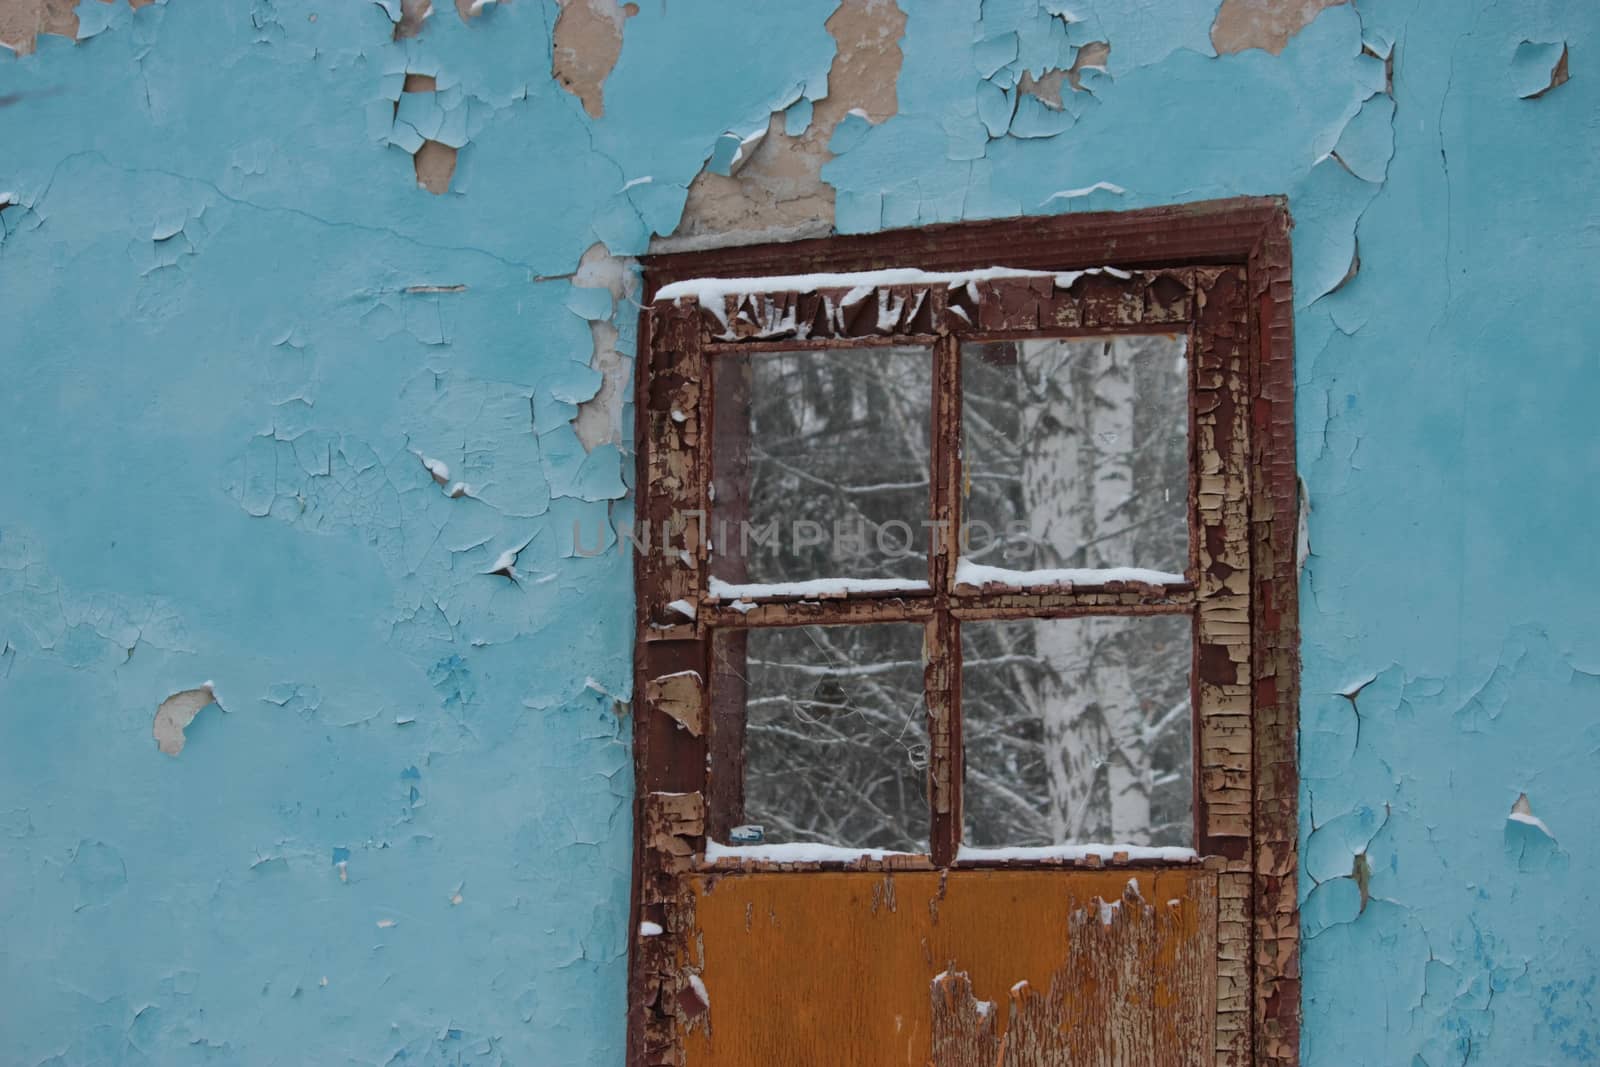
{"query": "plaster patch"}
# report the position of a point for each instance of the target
(22, 21)
(1047, 87)
(413, 13)
(586, 41)
(428, 131)
(599, 419)
(177, 712)
(435, 163)
(1529, 842)
(1522, 812)
(1264, 24)
(777, 190)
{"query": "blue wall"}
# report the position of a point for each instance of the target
(402, 834)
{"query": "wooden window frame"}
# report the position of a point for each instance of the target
(1219, 270)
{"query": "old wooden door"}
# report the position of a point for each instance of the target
(825, 878)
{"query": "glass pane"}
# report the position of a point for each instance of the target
(1077, 731)
(820, 465)
(1076, 453)
(835, 735)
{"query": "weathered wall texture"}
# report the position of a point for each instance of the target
(288, 435)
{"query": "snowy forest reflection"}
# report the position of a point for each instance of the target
(1075, 454)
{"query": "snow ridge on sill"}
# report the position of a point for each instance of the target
(722, 590)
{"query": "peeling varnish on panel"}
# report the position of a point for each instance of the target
(1264, 24)
(1120, 947)
(921, 312)
(681, 697)
(177, 712)
(963, 1026)
(1086, 970)
(779, 190)
(585, 44)
(673, 830)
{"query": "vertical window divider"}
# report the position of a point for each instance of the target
(943, 671)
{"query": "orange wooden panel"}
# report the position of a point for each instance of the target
(996, 968)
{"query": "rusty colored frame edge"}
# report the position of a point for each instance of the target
(1208, 232)
(1275, 650)
(1253, 231)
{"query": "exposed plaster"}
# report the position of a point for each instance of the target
(777, 190)
(586, 41)
(599, 419)
(1264, 24)
(1047, 87)
(22, 21)
(412, 15)
(435, 164)
(1522, 812)
(177, 712)
(423, 119)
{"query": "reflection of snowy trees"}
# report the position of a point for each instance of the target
(1075, 729)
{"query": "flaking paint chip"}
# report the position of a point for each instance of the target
(177, 712)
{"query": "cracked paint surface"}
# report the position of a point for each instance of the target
(277, 417)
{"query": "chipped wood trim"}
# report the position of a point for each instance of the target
(1206, 232)
(1275, 661)
(1219, 270)
(819, 612)
(1068, 303)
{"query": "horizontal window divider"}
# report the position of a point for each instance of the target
(1079, 602)
(854, 609)
(1098, 863)
(736, 865)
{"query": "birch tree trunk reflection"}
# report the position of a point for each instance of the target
(1077, 477)
(1074, 730)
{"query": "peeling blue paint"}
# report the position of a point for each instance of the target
(241, 344)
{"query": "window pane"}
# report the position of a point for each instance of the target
(1077, 731)
(820, 464)
(835, 735)
(1076, 452)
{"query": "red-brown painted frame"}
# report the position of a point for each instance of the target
(1248, 236)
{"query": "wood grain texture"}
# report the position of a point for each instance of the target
(1275, 651)
(1213, 231)
(920, 968)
